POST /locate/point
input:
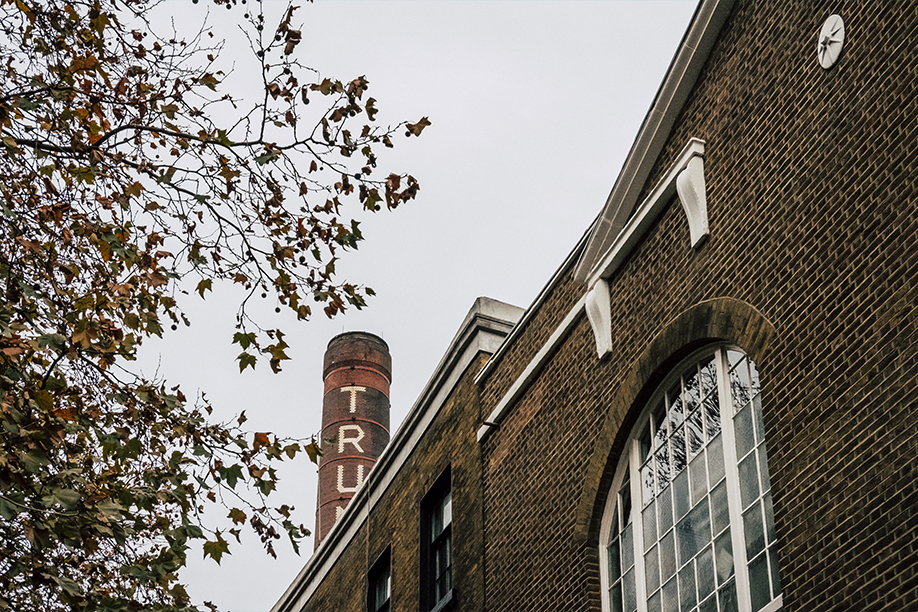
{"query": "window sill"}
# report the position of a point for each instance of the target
(446, 602)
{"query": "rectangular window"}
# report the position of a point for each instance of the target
(436, 545)
(379, 584)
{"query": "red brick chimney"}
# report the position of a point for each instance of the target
(355, 420)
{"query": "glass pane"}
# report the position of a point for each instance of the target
(692, 394)
(665, 504)
(705, 563)
(629, 594)
(677, 444)
(654, 604)
(650, 525)
(615, 595)
(644, 442)
(663, 467)
(742, 424)
(748, 480)
(613, 527)
(676, 410)
(695, 433)
(727, 596)
(687, 598)
(667, 557)
(661, 431)
(698, 478)
(711, 408)
(436, 523)
(715, 454)
(740, 387)
(754, 376)
(757, 417)
(734, 357)
(647, 482)
(769, 519)
(627, 547)
(723, 556)
(758, 583)
(720, 511)
(694, 532)
(775, 578)
(670, 595)
(709, 606)
(754, 531)
(763, 469)
(448, 509)
(615, 561)
(651, 570)
(625, 496)
(681, 494)
(708, 375)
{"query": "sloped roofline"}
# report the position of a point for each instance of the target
(696, 45)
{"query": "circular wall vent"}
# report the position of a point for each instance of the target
(831, 39)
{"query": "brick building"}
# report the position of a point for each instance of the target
(750, 284)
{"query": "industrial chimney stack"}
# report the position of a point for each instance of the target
(355, 420)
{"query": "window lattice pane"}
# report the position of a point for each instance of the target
(687, 597)
(723, 557)
(687, 489)
(758, 583)
(694, 532)
(705, 565)
(727, 597)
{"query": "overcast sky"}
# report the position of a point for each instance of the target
(534, 106)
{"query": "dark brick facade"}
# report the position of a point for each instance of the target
(811, 267)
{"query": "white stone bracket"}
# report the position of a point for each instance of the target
(693, 195)
(599, 312)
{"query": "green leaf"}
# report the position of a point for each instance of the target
(312, 449)
(231, 475)
(111, 510)
(215, 549)
(70, 586)
(33, 461)
(245, 360)
(244, 340)
(205, 285)
(68, 498)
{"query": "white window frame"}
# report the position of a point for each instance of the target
(630, 463)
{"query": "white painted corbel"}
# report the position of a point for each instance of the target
(692, 194)
(599, 312)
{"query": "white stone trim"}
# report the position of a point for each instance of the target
(633, 232)
(532, 370)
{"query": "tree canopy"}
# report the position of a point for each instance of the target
(130, 178)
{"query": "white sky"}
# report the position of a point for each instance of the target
(534, 106)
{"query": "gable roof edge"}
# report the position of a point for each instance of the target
(680, 79)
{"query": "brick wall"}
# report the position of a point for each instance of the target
(811, 181)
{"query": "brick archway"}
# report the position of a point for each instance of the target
(716, 320)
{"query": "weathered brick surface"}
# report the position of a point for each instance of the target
(811, 180)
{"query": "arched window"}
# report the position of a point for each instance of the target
(689, 525)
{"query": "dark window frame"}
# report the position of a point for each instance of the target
(382, 569)
(437, 548)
